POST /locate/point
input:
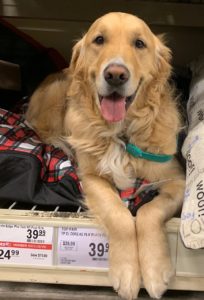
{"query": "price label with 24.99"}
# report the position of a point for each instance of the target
(26, 245)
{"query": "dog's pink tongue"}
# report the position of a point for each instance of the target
(113, 110)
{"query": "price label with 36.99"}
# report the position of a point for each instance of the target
(82, 247)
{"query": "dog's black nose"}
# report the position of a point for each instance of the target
(116, 74)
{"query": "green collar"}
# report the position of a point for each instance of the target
(137, 152)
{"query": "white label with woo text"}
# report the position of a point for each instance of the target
(82, 247)
(26, 245)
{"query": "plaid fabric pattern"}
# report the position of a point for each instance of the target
(134, 201)
(16, 135)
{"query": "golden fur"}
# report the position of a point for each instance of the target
(66, 109)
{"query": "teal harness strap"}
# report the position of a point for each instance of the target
(137, 152)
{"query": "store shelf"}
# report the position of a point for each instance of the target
(187, 263)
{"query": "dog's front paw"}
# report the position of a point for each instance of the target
(125, 279)
(124, 268)
(154, 257)
(156, 277)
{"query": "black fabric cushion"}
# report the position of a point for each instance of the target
(21, 182)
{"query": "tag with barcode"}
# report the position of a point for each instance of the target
(26, 245)
(82, 247)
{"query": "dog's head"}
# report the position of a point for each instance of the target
(116, 57)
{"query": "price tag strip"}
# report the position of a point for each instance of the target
(82, 247)
(26, 245)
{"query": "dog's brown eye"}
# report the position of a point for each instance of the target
(140, 44)
(99, 40)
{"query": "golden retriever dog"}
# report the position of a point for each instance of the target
(116, 92)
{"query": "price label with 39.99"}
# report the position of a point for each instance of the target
(82, 247)
(26, 245)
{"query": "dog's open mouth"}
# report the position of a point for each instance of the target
(114, 106)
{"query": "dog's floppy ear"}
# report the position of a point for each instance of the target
(77, 55)
(163, 58)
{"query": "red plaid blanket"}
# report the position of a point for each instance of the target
(31, 171)
(135, 199)
(16, 135)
